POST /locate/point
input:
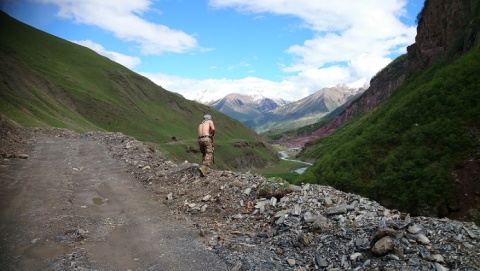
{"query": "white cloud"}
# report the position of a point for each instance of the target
(122, 18)
(218, 88)
(364, 66)
(127, 61)
(321, 15)
(315, 79)
(292, 88)
(352, 40)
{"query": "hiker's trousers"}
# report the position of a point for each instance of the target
(206, 147)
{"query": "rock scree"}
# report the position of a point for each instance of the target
(105, 201)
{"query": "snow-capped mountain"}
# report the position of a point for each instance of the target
(263, 114)
(204, 96)
(244, 107)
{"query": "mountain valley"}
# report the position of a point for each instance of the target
(266, 114)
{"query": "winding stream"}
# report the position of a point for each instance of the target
(284, 156)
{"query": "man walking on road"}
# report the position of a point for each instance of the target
(206, 132)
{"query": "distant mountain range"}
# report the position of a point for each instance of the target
(264, 114)
(245, 108)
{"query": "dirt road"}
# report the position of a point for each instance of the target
(70, 206)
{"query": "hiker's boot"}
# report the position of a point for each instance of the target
(203, 170)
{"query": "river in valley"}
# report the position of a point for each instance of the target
(285, 156)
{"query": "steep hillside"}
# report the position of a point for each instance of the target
(412, 140)
(47, 81)
(418, 152)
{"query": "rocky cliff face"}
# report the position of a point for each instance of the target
(445, 28)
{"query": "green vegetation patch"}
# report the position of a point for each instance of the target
(274, 187)
(403, 153)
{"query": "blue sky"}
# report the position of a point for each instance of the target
(206, 49)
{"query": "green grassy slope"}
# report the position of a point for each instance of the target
(50, 82)
(403, 153)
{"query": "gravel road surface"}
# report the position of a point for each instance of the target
(70, 206)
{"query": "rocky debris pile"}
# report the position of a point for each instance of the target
(255, 223)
